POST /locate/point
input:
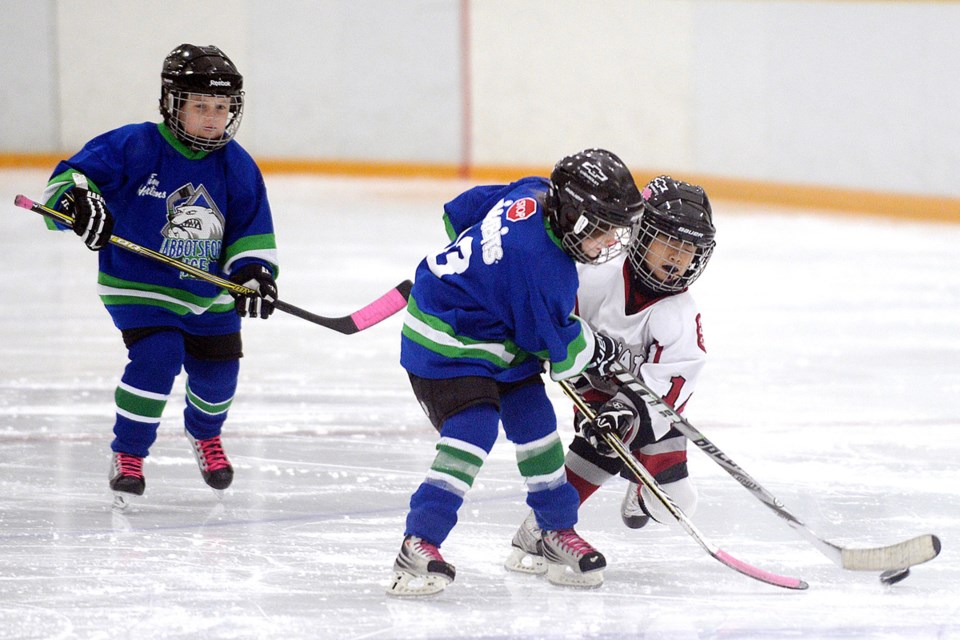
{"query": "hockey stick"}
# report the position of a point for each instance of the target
(901, 555)
(682, 519)
(380, 309)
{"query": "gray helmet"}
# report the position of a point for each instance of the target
(676, 235)
(592, 193)
(191, 70)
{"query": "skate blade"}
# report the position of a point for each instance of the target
(122, 500)
(406, 584)
(564, 576)
(523, 562)
(120, 522)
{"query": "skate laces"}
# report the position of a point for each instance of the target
(129, 465)
(211, 452)
(570, 541)
(424, 548)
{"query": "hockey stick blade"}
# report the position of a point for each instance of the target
(896, 556)
(678, 514)
(380, 309)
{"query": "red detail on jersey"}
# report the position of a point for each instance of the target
(636, 298)
(657, 352)
(595, 395)
(522, 209)
(676, 384)
(700, 335)
(660, 462)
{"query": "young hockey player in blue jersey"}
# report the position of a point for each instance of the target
(642, 301)
(187, 189)
(484, 315)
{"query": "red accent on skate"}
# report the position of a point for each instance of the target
(427, 549)
(211, 452)
(571, 540)
(130, 465)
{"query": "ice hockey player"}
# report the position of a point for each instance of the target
(185, 188)
(641, 301)
(484, 315)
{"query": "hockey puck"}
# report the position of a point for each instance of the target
(894, 576)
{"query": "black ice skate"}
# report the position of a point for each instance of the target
(419, 569)
(571, 561)
(126, 479)
(213, 462)
(632, 511)
(525, 557)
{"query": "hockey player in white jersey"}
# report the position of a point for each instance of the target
(642, 301)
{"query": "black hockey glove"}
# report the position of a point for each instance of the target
(260, 279)
(606, 353)
(614, 417)
(92, 220)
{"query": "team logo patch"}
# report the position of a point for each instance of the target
(522, 209)
(193, 233)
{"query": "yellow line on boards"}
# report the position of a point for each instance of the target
(900, 206)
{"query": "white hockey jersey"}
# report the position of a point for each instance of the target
(662, 335)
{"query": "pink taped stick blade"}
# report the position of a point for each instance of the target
(759, 574)
(380, 309)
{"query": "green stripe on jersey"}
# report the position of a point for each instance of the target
(436, 335)
(541, 457)
(210, 408)
(457, 463)
(130, 401)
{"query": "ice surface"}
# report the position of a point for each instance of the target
(834, 379)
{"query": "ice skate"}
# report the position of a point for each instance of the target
(126, 479)
(632, 511)
(213, 462)
(525, 556)
(571, 561)
(419, 569)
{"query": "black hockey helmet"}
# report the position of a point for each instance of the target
(676, 235)
(592, 195)
(199, 71)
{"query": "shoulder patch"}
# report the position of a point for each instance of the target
(522, 209)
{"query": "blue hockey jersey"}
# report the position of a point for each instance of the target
(499, 299)
(209, 210)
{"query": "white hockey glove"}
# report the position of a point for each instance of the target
(613, 417)
(92, 220)
(260, 279)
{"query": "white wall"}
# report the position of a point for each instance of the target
(860, 94)
(29, 107)
(554, 76)
(852, 94)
